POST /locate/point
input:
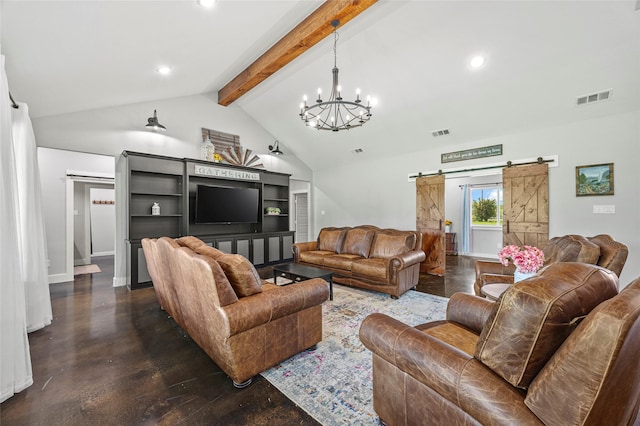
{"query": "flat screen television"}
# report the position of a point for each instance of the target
(218, 204)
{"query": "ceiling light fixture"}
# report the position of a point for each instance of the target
(164, 70)
(206, 3)
(335, 113)
(477, 61)
(275, 148)
(152, 123)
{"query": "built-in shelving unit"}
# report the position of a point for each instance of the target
(172, 182)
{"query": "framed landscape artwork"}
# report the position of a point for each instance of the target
(596, 179)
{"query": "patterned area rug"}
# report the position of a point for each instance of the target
(334, 382)
(86, 269)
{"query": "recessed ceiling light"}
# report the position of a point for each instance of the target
(164, 70)
(477, 61)
(206, 3)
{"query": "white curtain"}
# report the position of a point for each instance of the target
(466, 222)
(33, 251)
(15, 361)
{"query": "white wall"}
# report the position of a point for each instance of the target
(54, 164)
(377, 191)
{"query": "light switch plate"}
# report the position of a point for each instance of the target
(609, 209)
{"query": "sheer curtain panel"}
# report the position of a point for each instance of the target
(15, 361)
(33, 243)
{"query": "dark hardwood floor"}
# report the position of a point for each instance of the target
(111, 356)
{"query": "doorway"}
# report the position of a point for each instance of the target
(300, 210)
(80, 245)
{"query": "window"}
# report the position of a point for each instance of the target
(486, 206)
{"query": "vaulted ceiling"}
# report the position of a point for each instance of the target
(68, 56)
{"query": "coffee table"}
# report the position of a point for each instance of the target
(302, 272)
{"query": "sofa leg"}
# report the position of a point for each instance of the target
(394, 297)
(381, 422)
(243, 384)
(312, 348)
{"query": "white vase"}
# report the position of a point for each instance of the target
(519, 276)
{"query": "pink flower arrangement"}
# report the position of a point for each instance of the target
(526, 259)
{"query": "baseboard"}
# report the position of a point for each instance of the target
(60, 278)
(103, 253)
(490, 256)
(119, 281)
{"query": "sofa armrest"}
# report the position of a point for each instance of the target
(496, 279)
(298, 248)
(486, 267)
(260, 308)
(469, 310)
(404, 260)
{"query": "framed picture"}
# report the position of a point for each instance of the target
(596, 179)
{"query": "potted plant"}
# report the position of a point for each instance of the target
(526, 259)
(273, 210)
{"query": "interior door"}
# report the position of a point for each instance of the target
(526, 205)
(430, 222)
(301, 224)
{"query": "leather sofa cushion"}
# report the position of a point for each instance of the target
(341, 261)
(594, 363)
(358, 241)
(452, 334)
(330, 239)
(241, 274)
(207, 250)
(533, 317)
(226, 294)
(191, 242)
(571, 248)
(316, 257)
(392, 244)
(371, 268)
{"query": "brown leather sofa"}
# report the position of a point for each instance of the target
(384, 260)
(560, 348)
(244, 324)
(601, 250)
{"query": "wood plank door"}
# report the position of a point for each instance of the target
(430, 222)
(526, 205)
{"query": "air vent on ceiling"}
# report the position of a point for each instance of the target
(594, 97)
(443, 132)
(358, 151)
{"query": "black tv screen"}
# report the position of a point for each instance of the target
(217, 204)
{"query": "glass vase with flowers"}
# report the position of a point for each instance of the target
(526, 259)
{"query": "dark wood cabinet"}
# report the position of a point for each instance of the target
(172, 184)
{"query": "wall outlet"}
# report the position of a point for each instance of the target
(610, 209)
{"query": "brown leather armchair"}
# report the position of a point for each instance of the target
(560, 348)
(601, 250)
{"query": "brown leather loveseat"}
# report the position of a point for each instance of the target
(601, 250)
(384, 260)
(560, 348)
(244, 324)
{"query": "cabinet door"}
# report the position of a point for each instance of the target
(242, 247)
(257, 250)
(274, 249)
(224, 245)
(287, 244)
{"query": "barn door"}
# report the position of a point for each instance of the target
(430, 222)
(526, 205)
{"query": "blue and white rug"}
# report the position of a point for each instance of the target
(334, 382)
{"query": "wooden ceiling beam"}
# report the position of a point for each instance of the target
(300, 39)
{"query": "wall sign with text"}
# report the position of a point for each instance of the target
(469, 154)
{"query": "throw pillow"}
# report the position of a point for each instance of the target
(330, 239)
(241, 274)
(534, 317)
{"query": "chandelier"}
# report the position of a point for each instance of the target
(335, 113)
